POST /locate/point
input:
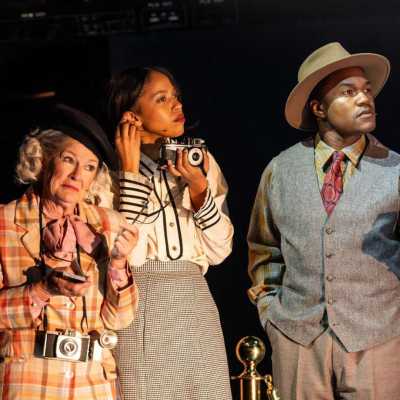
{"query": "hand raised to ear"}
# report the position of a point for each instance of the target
(127, 142)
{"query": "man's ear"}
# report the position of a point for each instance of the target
(318, 109)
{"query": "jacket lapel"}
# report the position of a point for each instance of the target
(27, 218)
(92, 216)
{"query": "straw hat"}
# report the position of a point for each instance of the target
(321, 63)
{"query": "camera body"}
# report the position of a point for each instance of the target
(66, 345)
(70, 345)
(194, 146)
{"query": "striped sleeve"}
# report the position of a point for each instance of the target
(212, 222)
(208, 215)
(134, 193)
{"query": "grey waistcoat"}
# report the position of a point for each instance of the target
(345, 264)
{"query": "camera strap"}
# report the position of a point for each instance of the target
(46, 271)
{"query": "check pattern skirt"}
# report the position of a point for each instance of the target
(174, 350)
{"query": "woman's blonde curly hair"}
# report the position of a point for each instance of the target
(39, 149)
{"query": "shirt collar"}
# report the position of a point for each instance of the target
(323, 151)
(147, 166)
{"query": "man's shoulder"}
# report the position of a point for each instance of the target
(296, 151)
(297, 155)
(380, 153)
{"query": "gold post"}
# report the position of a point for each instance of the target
(250, 351)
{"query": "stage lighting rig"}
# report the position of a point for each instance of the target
(163, 14)
(24, 20)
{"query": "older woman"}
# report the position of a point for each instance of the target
(64, 277)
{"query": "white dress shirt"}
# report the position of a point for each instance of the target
(169, 229)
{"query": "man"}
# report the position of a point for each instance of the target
(324, 242)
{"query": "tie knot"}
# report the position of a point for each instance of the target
(338, 156)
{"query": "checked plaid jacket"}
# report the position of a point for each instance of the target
(23, 375)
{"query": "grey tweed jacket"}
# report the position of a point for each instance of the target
(343, 269)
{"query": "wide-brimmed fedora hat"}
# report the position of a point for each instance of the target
(321, 63)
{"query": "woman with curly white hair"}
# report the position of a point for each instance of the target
(64, 276)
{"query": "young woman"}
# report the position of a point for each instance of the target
(175, 348)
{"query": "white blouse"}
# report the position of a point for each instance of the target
(169, 229)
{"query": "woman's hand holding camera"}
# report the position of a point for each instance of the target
(123, 245)
(193, 175)
(127, 142)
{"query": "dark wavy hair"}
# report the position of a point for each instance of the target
(125, 88)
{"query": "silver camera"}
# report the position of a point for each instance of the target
(193, 145)
(67, 345)
(74, 346)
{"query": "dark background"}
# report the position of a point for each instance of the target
(236, 66)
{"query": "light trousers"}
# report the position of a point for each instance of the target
(326, 371)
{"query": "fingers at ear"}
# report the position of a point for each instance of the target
(131, 118)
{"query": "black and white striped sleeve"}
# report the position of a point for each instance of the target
(134, 193)
(208, 215)
(212, 221)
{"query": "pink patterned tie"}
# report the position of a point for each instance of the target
(333, 183)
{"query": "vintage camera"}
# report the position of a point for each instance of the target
(66, 345)
(71, 345)
(193, 145)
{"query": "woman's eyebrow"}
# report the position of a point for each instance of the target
(159, 92)
(74, 154)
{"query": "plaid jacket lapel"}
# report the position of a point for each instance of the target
(94, 218)
(27, 218)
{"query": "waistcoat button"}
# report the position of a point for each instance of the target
(329, 278)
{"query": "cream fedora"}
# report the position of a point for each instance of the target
(321, 63)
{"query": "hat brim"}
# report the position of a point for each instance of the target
(297, 113)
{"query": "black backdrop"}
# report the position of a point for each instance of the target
(235, 82)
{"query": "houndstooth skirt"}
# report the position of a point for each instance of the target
(174, 350)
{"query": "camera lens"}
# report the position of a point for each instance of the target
(68, 347)
(195, 156)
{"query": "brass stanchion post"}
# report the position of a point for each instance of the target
(250, 351)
